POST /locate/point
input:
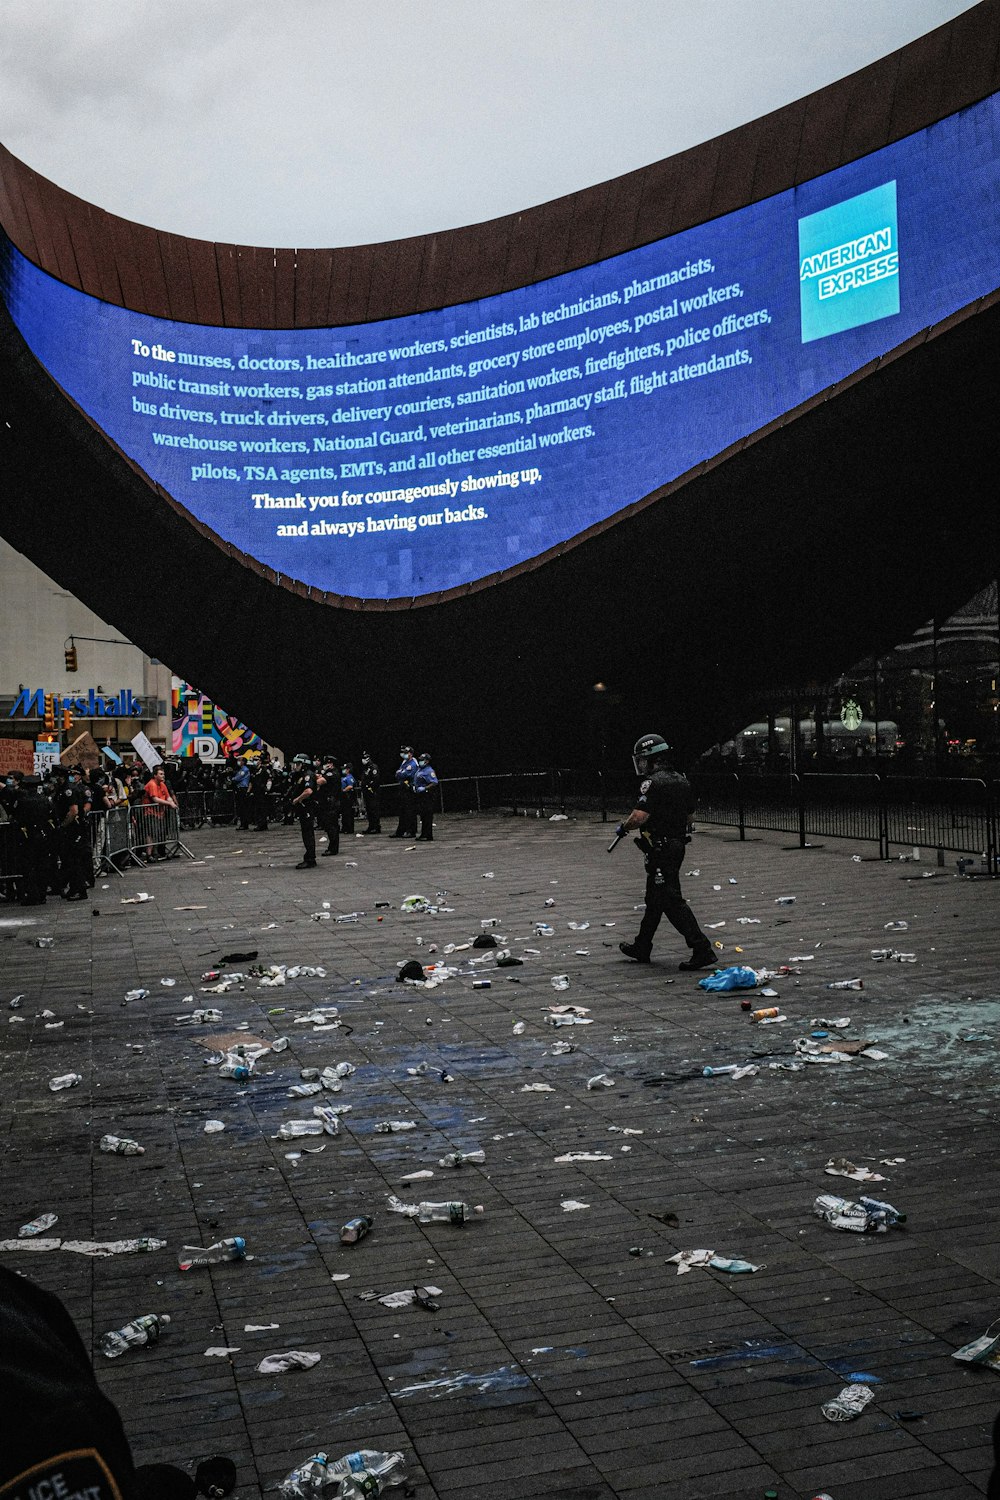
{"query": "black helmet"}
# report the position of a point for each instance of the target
(647, 748)
(304, 762)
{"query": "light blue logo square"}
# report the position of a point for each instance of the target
(849, 264)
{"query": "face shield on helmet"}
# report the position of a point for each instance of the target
(645, 751)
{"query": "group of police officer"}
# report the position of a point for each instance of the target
(322, 793)
(52, 835)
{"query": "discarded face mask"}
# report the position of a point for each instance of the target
(982, 1351)
(687, 1260)
(418, 1296)
(600, 1080)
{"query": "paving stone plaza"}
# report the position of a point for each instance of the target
(567, 1356)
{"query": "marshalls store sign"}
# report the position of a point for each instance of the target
(849, 264)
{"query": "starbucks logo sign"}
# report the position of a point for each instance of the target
(850, 714)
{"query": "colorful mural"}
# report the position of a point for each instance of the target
(201, 728)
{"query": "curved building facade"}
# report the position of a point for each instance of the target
(724, 421)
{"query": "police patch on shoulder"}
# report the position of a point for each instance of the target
(79, 1475)
(645, 788)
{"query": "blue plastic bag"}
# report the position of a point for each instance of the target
(735, 978)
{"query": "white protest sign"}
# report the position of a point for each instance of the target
(149, 755)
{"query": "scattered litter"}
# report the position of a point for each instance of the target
(559, 1049)
(583, 1156)
(864, 1216)
(518, 1028)
(459, 1158)
(191, 1257)
(560, 981)
(417, 1176)
(259, 1327)
(116, 1145)
(142, 1330)
(570, 1205)
(393, 1127)
(982, 1351)
(578, 926)
(65, 1081)
(600, 1080)
(293, 1359)
(849, 1404)
(737, 977)
(748, 921)
(418, 1296)
(137, 899)
(686, 1260)
(433, 1213)
(732, 1070)
(898, 926)
(784, 900)
(37, 1226)
(214, 1127)
(222, 1350)
(537, 1088)
(839, 1166)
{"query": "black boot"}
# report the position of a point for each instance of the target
(633, 951)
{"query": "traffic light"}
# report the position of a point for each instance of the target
(67, 719)
(50, 712)
(71, 662)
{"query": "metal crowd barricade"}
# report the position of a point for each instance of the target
(110, 840)
(156, 826)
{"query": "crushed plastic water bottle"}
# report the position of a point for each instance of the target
(121, 1145)
(435, 1213)
(392, 1127)
(459, 1158)
(65, 1081)
(191, 1257)
(141, 1331)
(364, 1473)
(849, 1404)
(867, 1215)
(356, 1229)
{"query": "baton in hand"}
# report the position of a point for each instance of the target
(619, 835)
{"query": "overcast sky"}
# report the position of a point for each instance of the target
(336, 122)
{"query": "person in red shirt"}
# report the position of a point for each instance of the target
(158, 796)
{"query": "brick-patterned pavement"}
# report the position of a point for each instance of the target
(567, 1358)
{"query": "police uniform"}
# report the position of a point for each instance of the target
(406, 827)
(61, 1436)
(260, 785)
(69, 806)
(241, 786)
(347, 785)
(370, 789)
(667, 799)
(304, 786)
(425, 785)
(327, 809)
(31, 814)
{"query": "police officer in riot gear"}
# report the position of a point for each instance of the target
(302, 800)
(370, 790)
(662, 814)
